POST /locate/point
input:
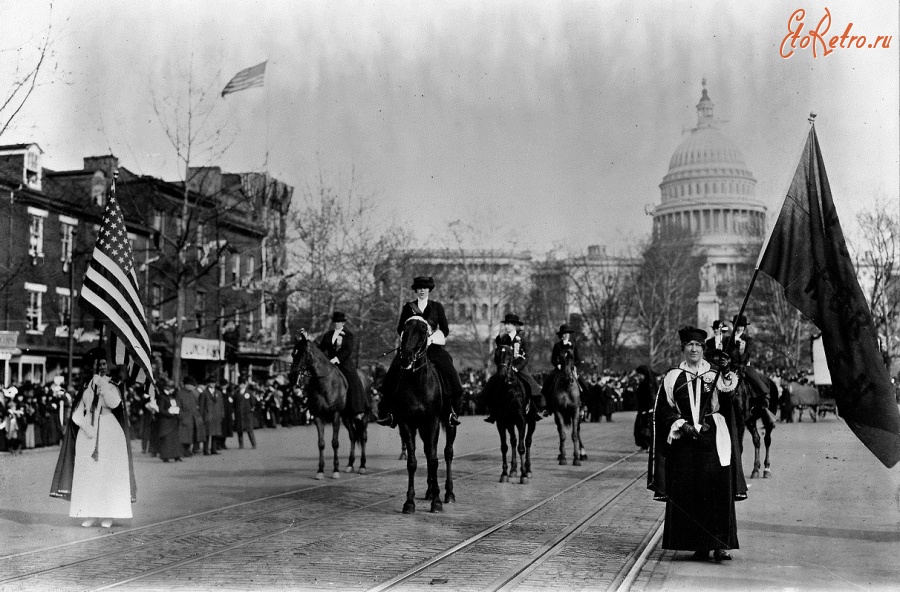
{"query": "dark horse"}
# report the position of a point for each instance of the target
(755, 395)
(513, 418)
(421, 406)
(326, 394)
(565, 404)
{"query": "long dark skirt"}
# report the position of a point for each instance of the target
(169, 438)
(700, 509)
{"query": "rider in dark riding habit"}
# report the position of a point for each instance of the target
(566, 342)
(433, 313)
(739, 348)
(513, 337)
(339, 345)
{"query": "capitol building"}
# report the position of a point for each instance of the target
(710, 192)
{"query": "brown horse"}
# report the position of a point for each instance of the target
(326, 394)
(565, 404)
(513, 418)
(421, 406)
(754, 397)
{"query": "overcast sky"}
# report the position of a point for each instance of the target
(554, 122)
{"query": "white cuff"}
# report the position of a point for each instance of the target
(438, 337)
(674, 434)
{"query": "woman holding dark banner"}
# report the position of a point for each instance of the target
(695, 462)
(99, 482)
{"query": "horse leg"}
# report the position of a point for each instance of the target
(409, 439)
(562, 438)
(432, 458)
(514, 446)
(450, 435)
(335, 432)
(754, 434)
(768, 440)
(523, 477)
(504, 476)
(576, 441)
(530, 426)
(320, 429)
(363, 436)
(351, 433)
(402, 451)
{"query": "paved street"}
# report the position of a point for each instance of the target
(256, 519)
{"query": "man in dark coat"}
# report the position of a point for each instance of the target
(513, 336)
(243, 401)
(339, 346)
(212, 411)
(716, 343)
(433, 313)
(192, 430)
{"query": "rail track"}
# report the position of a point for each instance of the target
(302, 526)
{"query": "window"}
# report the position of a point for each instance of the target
(200, 309)
(33, 316)
(67, 235)
(251, 268)
(250, 320)
(159, 220)
(200, 234)
(63, 301)
(155, 300)
(235, 270)
(36, 232)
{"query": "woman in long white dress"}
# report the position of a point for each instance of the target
(101, 483)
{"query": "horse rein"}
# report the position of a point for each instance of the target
(420, 354)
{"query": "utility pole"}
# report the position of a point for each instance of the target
(71, 336)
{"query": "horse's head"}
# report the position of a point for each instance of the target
(300, 373)
(413, 342)
(505, 356)
(567, 362)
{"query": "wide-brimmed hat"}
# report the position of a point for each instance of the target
(688, 334)
(512, 319)
(423, 281)
(338, 317)
(724, 325)
(563, 329)
(740, 321)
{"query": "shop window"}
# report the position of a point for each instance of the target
(33, 311)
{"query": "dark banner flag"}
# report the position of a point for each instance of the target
(806, 254)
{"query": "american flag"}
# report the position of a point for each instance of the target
(110, 292)
(252, 77)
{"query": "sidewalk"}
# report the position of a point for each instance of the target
(827, 519)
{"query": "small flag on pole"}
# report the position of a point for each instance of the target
(806, 253)
(252, 77)
(110, 288)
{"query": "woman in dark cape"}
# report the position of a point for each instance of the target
(695, 464)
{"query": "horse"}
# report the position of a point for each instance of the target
(421, 406)
(565, 404)
(326, 395)
(512, 417)
(747, 396)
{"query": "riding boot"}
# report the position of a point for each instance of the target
(454, 418)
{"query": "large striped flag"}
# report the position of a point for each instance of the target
(252, 77)
(110, 290)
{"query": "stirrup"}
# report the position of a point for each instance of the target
(387, 420)
(453, 419)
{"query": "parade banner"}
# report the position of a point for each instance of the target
(806, 253)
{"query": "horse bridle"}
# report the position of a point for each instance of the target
(506, 365)
(419, 359)
(304, 371)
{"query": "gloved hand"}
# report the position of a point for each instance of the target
(688, 430)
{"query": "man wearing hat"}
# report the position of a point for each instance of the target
(715, 345)
(566, 343)
(513, 337)
(339, 345)
(433, 313)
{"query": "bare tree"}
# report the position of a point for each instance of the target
(23, 66)
(189, 119)
(878, 263)
(665, 286)
(601, 292)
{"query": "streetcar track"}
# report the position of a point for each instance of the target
(408, 574)
(294, 524)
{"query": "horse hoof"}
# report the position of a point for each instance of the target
(362, 471)
(562, 461)
(449, 499)
(336, 475)
(402, 456)
(754, 474)
(576, 462)
(436, 506)
(523, 480)
(320, 476)
(583, 456)
(767, 473)
(504, 479)
(349, 469)
(528, 474)
(409, 508)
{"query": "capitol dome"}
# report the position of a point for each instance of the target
(710, 190)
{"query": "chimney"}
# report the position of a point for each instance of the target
(205, 180)
(107, 164)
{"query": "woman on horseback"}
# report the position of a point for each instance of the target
(695, 464)
(433, 313)
(513, 337)
(566, 343)
(339, 346)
